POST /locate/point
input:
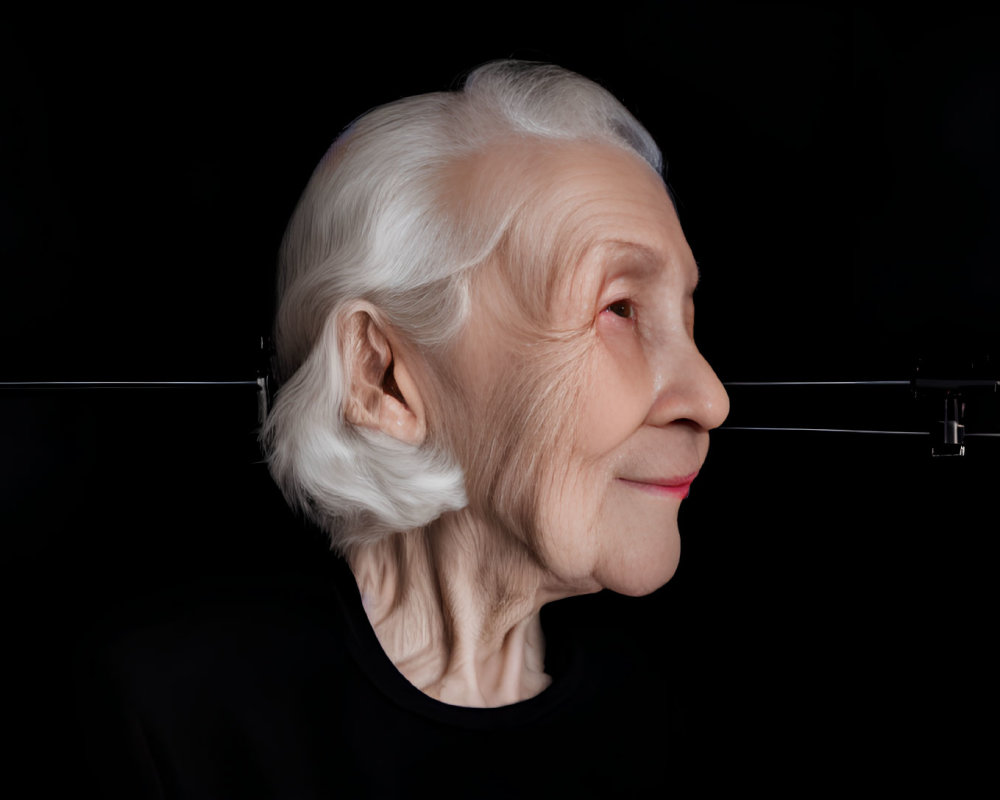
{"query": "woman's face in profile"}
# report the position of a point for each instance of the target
(633, 430)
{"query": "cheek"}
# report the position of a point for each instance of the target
(517, 448)
(569, 517)
(600, 534)
(617, 394)
(578, 514)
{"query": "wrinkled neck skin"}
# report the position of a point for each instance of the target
(456, 606)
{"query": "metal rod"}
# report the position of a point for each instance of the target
(822, 430)
(816, 383)
(844, 430)
(114, 384)
(256, 383)
(127, 384)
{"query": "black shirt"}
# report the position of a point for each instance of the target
(277, 687)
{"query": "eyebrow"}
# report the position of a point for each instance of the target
(651, 259)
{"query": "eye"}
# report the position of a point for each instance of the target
(622, 308)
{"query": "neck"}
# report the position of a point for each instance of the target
(456, 608)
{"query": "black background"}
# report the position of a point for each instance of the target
(836, 172)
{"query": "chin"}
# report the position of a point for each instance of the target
(641, 572)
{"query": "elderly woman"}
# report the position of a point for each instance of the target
(491, 399)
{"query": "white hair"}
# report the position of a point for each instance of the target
(371, 226)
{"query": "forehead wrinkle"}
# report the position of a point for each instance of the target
(552, 240)
(559, 220)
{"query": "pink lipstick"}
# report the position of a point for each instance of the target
(667, 487)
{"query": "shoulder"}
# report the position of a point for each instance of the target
(209, 634)
(206, 685)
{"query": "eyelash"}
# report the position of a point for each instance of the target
(625, 305)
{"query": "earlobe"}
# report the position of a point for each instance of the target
(381, 393)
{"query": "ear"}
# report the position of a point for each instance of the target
(381, 392)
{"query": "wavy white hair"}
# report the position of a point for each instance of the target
(372, 226)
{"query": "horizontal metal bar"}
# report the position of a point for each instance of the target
(937, 383)
(844, 430)
(821, 430)
(129, 384)
(816, 383)
(919, 383)
(115, 384)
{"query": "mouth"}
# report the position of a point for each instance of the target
(666, 487)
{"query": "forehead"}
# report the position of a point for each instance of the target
(585, 208)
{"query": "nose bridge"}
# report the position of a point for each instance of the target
(686, 386)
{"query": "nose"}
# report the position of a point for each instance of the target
(688, 389)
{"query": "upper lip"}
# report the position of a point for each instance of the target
(678, 481)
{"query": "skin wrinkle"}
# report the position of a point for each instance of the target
(545, 400)
(406, 628)
(532, 372)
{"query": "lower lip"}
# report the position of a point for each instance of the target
(681, 490)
